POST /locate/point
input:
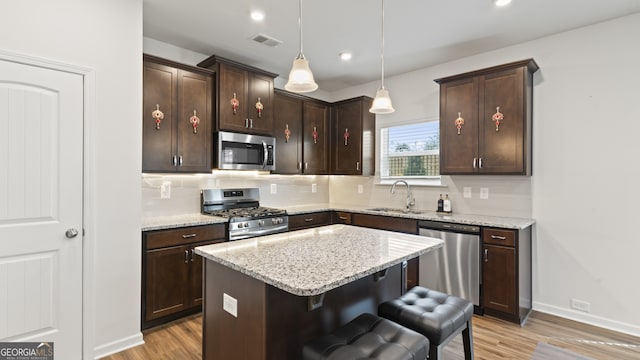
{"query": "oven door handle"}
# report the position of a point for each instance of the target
(251, 233)
(266, 154)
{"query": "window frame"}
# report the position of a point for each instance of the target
(412, 180)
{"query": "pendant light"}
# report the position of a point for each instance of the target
(382, 102)
(300, 77)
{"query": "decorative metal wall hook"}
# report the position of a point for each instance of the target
(235, 103)
(497, 117)
(259, 107)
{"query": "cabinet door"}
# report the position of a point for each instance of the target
(315, 139)
(347, 139)
(260, 88)
(232, 81)
(194, 99)
(499, 279)
(459, 151)
(287, 115)
(167, 281)
(159, 93)
(502, 150)
(195, 277)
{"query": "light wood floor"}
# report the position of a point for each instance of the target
(493, 339)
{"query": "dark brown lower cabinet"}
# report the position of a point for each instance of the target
(305, 221)
(506, 273)
(172, 272)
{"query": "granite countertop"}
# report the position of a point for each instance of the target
(469, 219)
(313, 261)
(175, 221)
(168, 222)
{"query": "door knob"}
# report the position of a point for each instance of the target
(71, 233)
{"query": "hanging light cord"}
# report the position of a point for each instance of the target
(382, 50)
(301, 55)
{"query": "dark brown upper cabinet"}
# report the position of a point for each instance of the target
(485, 120)
(353, 137)
(301, 129)
(175, 98)
(244, 96)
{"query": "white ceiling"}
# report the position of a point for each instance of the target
(418, 33)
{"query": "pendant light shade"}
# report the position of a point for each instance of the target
(382, 102)
(300, 76)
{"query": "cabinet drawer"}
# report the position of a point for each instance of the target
(181, 236)
(341, 217)
(499, 237)
(309, 220)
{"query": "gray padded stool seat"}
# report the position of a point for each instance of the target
(368, 337)
(436, 315)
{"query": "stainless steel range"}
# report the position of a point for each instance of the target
(242, 207)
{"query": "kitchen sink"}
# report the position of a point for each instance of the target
(396, 210)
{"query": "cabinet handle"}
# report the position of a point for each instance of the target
(306, 165)
(358, 165)
(251, 123)
(174, 160)
(308, 220)
(193, 251)
(186, 256)
(486, 255)
(480, 163)
(474, 162)
(342, 218)
(498, 237)
(187, 236)
(246, 123)
(180, 160)
(300, 165)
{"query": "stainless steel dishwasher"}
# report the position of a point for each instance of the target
(454, 268)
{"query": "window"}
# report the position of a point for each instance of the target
(410, 151)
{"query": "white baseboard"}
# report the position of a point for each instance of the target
(631, 329)
(117, 346)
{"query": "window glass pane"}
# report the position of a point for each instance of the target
(410, 150)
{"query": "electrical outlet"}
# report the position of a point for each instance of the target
(314, 188)
(484, 193)
(580, 305)
(230, 304)
(165, 190)
(274, 188)
(467, 192)
(360, 189)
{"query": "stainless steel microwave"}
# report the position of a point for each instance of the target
(245, 151)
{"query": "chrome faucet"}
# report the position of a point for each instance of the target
(411, 201)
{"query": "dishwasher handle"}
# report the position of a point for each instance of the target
(450, 227)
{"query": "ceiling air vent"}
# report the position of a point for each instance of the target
(266, 40)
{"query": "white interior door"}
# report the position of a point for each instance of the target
(41, 169)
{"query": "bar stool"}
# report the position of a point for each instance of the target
(436, 315)
(368, 337)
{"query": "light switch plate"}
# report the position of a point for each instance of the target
(314, 188)
(230, 304)
(274, 188)
(360, 189)
(467, 192)
(484, 193)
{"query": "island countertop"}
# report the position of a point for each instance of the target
(313, 261)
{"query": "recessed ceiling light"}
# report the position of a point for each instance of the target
(345, 56)
(502, 2)
(257, 15)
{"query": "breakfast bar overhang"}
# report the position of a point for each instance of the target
(265, 297)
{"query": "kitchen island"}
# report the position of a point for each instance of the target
(265, 297)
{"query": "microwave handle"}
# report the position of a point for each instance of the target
(266, 154)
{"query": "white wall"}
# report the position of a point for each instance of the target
(106, 36)
(583, 191)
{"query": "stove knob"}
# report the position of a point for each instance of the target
(260, 222)
(279, 220)
(240, 225)
(274, 221)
